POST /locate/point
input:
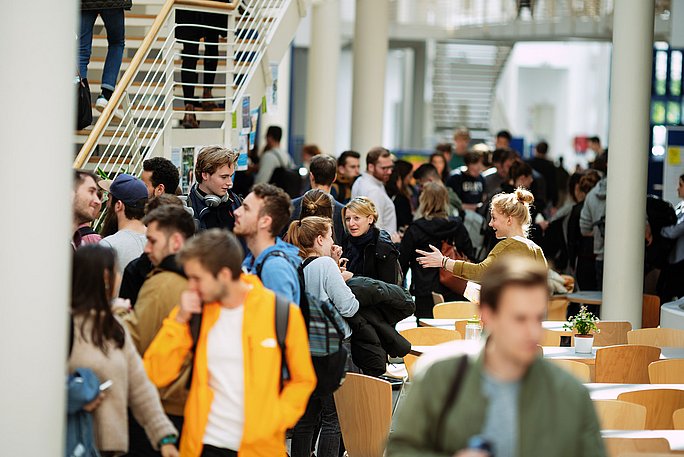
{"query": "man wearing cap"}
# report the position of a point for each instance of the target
(125, 210)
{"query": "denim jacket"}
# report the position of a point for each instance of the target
(82, 387)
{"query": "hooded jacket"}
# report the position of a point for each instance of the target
(159, 294)
(420, 235)
(277, 271)
(593, 216)
(380, 258)
(374, 337)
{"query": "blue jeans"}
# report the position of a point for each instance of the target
(114, 24)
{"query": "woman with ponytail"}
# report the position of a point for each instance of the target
(510, 222)
(325, 280)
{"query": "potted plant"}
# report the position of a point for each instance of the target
(584, 323)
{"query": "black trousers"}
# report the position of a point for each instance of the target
(213, 451)
(138, 444)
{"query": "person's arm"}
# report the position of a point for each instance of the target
(164, 357)
(143, 399)
(296, 392)
(673, 231)
(267, 164)
(279, 275)
(586, 221)
(339, 292)
(465, 270)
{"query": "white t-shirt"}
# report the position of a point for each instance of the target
(226, 380)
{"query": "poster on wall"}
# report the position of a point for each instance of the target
(272, 90)
(243, 149)
(245, 114)
(187, 158)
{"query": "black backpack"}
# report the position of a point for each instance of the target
(286, 178)
(325, 328)
(660, 213)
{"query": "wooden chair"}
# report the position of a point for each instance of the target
(649, 454)
(553, 337)
(558, 308)
(678, 419)
(437, 298)
(660, 405)
(429, 336)
(625, 364)
(660, 337)
(620, 415)
(460, 326)
(456, 310)
(650, 311)
(617, 447)
(409, 361)
(364, 408)
(612, 333)
(579, 370)
(669, 371)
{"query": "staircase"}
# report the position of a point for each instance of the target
(464, 82)
(144, 114)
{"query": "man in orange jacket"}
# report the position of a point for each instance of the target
(235, 405)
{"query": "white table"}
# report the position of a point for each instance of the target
(450, 323)
(674, 437)
(569, 353)
(606, 391)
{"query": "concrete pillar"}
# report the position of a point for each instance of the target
(36, 151)
(324, 57)
(370, 61)
(630, 97)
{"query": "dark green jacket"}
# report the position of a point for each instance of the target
(556, 414)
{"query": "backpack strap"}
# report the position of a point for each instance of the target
(276, 253)
(451, 398)
(86, 230)
(282, 317)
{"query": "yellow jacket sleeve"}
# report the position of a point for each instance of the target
(474, 271)
(164, 358)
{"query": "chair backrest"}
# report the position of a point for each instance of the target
(625, 364)
(660, 405)
(437, 298)
(612, 333)
(460, 326)
(456, 310)
(578, 369)
(669, 371)
(678, 419)
(364, 409)
(617, 447)
(409, 360)
(558, 308)
(429, 336)
(661, 337)
(620, 415)
(553, 337)
(650, 311)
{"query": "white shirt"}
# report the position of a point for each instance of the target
(369, 186)
(226, 379)
(128, 245)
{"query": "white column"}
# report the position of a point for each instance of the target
(324, 58)
(371, 42)
(628, 161)
(36, 151)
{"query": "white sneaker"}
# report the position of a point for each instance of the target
(101, 103)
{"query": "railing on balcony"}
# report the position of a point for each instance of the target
(149, 99)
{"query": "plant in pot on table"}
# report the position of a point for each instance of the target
(584, 323)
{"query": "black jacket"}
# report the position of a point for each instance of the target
(380, 258)
(134, 276)
(420, 235)
(105, 4)
(374, 337)
(221, 216)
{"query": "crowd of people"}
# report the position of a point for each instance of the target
(196, 313)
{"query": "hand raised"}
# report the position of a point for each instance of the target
(190, 303)
(431, 259)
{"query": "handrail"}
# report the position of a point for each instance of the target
(134, 66)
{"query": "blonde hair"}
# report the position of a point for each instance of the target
(303, 233)
(363, 206)
(433, 201)
(515, 205)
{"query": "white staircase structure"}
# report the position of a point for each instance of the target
(143, 116)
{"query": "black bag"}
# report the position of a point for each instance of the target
(660, 213)
(286, 178)
(84, 113)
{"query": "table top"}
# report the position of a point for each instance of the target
(587, 297)
(569, 353)
(674, 437)
(606, 391)
(449, 323)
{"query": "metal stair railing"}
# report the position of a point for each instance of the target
(148, 98)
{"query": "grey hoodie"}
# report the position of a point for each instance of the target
(593, 216)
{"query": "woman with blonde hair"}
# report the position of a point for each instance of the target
(370, 250)
(434, 227)
(326, 281)
(510, 222)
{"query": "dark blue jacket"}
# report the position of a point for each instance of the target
(82, 388)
